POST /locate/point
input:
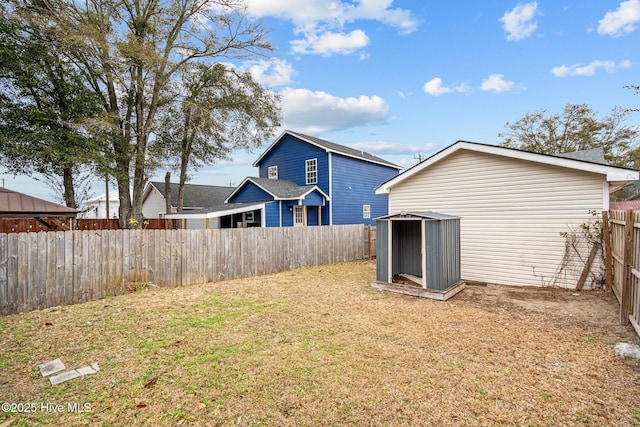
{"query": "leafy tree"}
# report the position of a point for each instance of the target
(132, 54)
(223, 110)
(577, 128)
(43, 103)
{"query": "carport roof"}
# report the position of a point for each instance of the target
(19, 205)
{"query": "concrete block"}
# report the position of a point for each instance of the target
(51, 367)
(69, 375)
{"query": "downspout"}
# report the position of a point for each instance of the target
(330, 189)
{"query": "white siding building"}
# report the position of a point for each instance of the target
(96, 208)
(513, 206)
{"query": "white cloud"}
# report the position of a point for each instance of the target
(317, 112)
(321, 22)
(328, 43)
(519, 23)
(335, 13)
(621, 21)
(273, 72)
(497, 83)
(383, 147)
(434, 87)
(590, 69)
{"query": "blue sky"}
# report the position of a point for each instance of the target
(398, 78)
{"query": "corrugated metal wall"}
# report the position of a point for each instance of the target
(442, 249)
(382, 250)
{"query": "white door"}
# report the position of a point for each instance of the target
(299, 216)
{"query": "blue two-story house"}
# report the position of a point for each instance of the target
(303, 181)
(310, 181)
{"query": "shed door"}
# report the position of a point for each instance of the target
(407, 247)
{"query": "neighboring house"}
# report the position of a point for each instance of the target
(514, 207)
(96, 207)
(303, 181)
(15, 205)
(197, 199)
(286, 203)
(625, 205)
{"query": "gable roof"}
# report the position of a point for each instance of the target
(613, 174)
(329, 147)
(195, 195)
(14, 204)
(279, 189)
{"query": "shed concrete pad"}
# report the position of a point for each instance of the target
(420, 292)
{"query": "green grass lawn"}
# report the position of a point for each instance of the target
(315, 346)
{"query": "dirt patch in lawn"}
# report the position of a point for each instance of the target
(320, 346)
(598, 310)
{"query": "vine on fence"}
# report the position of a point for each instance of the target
(579, 242)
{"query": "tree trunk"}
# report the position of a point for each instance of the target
(184, 162)
(167, 192)
(69, 193)
(185, 153)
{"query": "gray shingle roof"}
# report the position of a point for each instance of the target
(196, 195)
(337, 148)
(594, 155)
(331, 147)
(281, 189)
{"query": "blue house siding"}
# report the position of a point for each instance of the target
(290, 155)
(313, 199)
(354, 183)
(271, 214)
(287, 214)
(250, 193)
(312, 215)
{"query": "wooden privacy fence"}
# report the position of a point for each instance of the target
(40, 270)
(624, 263)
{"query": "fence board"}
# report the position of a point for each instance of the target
(4, 260)
(12, 273)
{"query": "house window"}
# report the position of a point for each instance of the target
(312, 171)
(298, 216)
(273, 172)
(248, 216)
(366, 211)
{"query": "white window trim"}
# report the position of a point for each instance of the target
(366, 211)
(308, 163)
(273, 172)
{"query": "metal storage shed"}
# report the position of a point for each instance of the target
(419, 254)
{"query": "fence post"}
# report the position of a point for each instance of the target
(606, 235)
(625, 301)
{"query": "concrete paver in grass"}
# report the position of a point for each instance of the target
(51, 367)
(56, 365)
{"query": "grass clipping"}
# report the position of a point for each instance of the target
(315, 346)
